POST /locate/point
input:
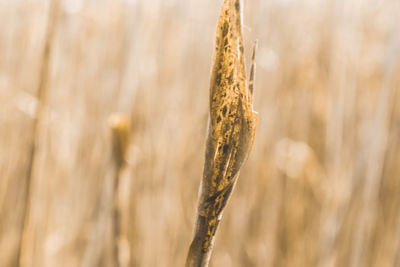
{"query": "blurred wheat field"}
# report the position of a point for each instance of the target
(320, 188)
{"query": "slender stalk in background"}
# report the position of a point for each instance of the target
(120, 142)
(41, 92)
(231, 130)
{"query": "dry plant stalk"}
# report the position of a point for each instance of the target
(119, 125)
(231, 131)
(41, 91)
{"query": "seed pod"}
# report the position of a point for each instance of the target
(231, 130)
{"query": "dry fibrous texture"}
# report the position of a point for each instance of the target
(231, 130)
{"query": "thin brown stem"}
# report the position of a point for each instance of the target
(120, 143)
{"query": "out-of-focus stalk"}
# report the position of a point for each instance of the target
(120, 142)
(41, 94)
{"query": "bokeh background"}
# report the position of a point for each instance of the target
(321, 187)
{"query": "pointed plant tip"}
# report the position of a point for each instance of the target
(255, 46)
(253, 67)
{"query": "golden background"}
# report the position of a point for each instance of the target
(320, 188)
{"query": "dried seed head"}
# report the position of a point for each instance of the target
(231, 130)
(119, 125)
